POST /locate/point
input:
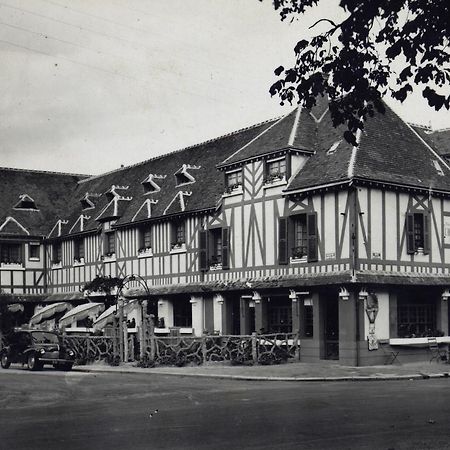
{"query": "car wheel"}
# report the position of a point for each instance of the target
(33, 362)
(5, 362)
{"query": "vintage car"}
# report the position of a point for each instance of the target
(36, 348)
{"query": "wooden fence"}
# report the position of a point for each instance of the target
(181, 350)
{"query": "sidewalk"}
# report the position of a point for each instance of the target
(294, 371)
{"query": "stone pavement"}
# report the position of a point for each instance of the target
(293, 371)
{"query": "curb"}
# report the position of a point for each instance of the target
(415, 376)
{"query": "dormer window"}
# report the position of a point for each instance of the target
(26, 202)
(150, 185)
(275, 170)
(86, 201)
(183, 176)
(233, 181)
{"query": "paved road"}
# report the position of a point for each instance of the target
(65, 411)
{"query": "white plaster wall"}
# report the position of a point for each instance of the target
(217, 312)
(165, 309)
(198, 315)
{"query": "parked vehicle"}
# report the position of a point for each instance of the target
(36, 348)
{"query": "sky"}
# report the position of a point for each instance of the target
(89, 85)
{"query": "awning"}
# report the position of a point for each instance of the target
(108, 315)
(65, 297)
(80, 312)
(47, 312)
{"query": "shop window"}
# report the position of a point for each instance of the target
(298, 238)
(214, 248)
(34, 249)
(57, 253)
(416, 319)
(182, 313)
(11, 253)
(417, 231)
(275, 170)
(279, 313)
(233, 181)
(78, 249)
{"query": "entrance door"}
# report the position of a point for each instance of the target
(332, 329)
(235, 316)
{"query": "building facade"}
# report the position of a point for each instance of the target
(281, 227)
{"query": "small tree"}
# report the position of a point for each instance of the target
(353, 60)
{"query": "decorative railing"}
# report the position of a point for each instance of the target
(90, 349)
(182, 350)
(252, 349)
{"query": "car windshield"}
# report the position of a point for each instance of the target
(41, 337)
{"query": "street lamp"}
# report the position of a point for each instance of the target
(119, 307)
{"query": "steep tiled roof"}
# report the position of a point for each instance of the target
(51, 192)
(330, 162)
(389, 151)
(205, 192)
(438, 139)
(295, 131)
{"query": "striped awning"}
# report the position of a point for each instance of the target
(80, 312)
(108, 315)
(49, 311)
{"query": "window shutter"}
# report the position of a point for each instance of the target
(264, 161)
(426, 234)
(311, 231)
(22, 253)
(288, 166)
(203, 249)
(225, 247)
(410, 247)
(283, 256)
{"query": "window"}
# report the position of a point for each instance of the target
(145, 238)
(26, 202)
(78, 249)
(300, 242)
(182, 313)
(57, 253)
(298, 238)
(417, 226)
(275, 170)
(416, 318)
(11, 253)
(178, 234)
(279, 313)
(214, 248)
(308, 321)
(233, 180)
(34, 251)
(110, 243)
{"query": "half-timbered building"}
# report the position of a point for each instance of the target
(279, 227)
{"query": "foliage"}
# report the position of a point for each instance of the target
(380, 47)
(102, 284)
(146, 362)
